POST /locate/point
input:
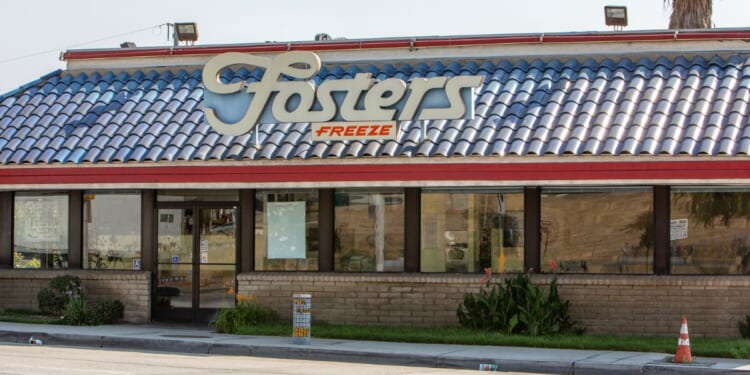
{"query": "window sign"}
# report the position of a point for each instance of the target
(40, 231)
(678, 229)
(204, 251)
(286, 230)
(43, 221)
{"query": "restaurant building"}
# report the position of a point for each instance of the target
(385, 175)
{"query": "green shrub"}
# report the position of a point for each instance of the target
(744, 327)
(50, 302)
(105, 311)
(69, 285)
(244, 314)
(516, 306)
(52, 299)
(75, 312)
(65, 296)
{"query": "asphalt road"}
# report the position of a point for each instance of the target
(23, 359)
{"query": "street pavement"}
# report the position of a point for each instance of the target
(202, 340)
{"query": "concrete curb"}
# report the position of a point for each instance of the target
(552, 361)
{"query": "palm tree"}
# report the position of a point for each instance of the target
(690, 14)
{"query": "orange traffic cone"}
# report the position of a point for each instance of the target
(683, 345)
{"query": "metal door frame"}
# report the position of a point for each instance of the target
(194, 314)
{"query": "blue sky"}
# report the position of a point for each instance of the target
(36, 31)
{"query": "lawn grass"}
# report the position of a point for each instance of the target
(703, 347)
(27, 316)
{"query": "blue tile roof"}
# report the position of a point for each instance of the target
(663, 106)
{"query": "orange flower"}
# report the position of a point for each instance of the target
(245, 298)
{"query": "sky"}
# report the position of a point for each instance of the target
(35, 32)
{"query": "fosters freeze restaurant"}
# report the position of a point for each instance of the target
(383, 176)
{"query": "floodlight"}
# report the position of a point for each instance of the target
(616, 16)
(185, 32)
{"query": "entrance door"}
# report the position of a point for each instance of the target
(196, 262)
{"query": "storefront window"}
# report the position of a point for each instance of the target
(471, 231)
(197, 196)
(286, 230)
(112, 230)
(40, 230)
(710, 231)
(597, 230)
(369, 231)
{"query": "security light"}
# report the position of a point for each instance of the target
(185, 32)
(616, 16)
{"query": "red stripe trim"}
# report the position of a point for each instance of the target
(408, 42)
(650, 171)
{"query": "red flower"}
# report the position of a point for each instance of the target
(552, 265)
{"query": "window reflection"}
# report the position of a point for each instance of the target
(112, 230)
(597, 230)
(468, 232)
(40, 230)
(175, 236)
(369, 231)
(710, 231)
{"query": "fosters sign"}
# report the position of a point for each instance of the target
(354, 108)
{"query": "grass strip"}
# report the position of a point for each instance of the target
(27, 316)
(703, 347)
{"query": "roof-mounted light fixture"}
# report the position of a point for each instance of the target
(616, 16)
(127, 45)
(322, 36)
(185, 32)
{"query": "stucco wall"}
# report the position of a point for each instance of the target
(603, 304)
(19, 288)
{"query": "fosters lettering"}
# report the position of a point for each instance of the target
(235, 108)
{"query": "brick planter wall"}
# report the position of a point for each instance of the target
(19, 288)
(603, 304)
(654, 305)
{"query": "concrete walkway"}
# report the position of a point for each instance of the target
(197, 340)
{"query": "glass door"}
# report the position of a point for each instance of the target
(196, 262)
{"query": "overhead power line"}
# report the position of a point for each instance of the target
(17, 58)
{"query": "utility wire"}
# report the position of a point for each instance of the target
(12, 59)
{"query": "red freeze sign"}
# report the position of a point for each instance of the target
(337, 131)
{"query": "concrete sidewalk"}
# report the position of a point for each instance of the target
(197, 340)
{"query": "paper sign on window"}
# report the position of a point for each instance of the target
(286, 230)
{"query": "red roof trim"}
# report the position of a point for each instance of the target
(421, 42)
(659, 172)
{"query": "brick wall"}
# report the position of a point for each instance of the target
(603, 304)
(19, 288)
(654, 305)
